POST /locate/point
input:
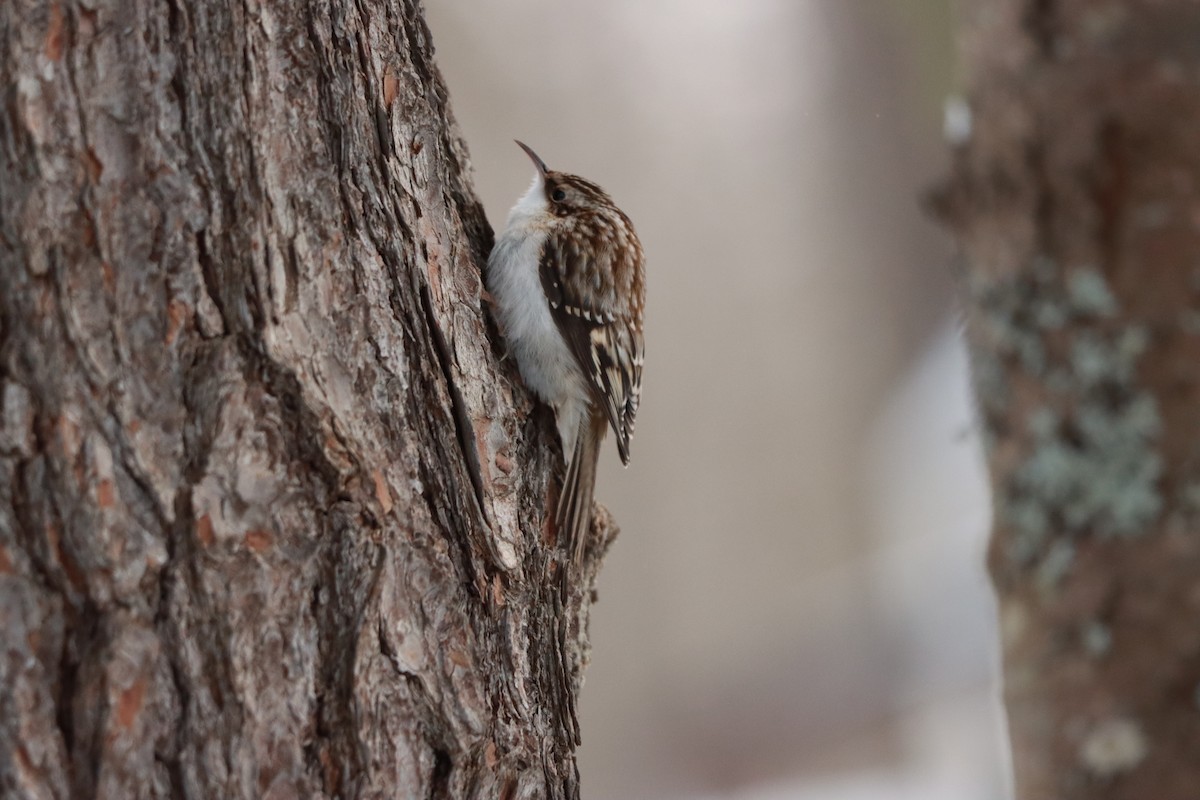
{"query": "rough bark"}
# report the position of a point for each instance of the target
(1076, 197)
(272, 504)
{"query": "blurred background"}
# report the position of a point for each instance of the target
(797, 605)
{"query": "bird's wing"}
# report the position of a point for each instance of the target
(608, 346)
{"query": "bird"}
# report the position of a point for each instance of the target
(568, 282)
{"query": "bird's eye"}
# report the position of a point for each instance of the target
(558, 195)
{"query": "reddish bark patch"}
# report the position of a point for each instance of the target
(56, 35)
(258, 539)
(73, 573)
(176, 314)
(458, 658)
(93, 165)
(67, 433)
(481, 446)
(23, 757)
(130, 703)
(435, 275)
(332, 772)
(391, 87)
(381, 492)
(204, 530)
(89, 231)
(106, 494)
(6, 565)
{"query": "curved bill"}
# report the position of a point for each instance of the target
(537, 162)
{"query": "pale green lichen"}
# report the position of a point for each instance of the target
(1095, 471)
(1097, 639)
(1091, 463)
(1088, 293)
(1055, 564)
(1044, 422)
(1113, 746)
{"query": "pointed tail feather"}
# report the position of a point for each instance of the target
(575, 503)
(574, 518)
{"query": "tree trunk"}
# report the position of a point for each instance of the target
(1076, 196)
(272, 504)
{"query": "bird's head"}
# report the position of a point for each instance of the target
(561, 194)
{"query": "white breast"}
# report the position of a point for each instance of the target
(545, 362)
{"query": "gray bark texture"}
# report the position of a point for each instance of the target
(1076, 196)
(273, 506)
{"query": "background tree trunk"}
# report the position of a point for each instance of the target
(272, 508)
(1076, 196)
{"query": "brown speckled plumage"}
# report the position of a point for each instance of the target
(591, 271)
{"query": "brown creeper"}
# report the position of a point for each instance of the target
(567, 278)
